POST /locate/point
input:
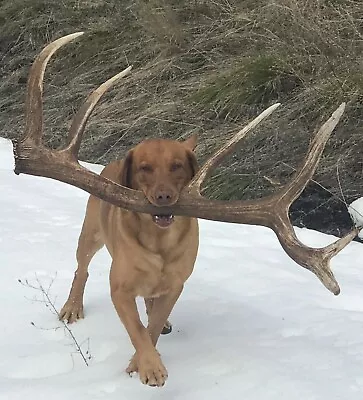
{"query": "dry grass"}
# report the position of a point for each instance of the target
(200, 66)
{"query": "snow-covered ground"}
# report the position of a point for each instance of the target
(251, 324)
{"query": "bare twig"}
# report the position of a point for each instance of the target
(49, 303)
(333, 195)
(340, 185)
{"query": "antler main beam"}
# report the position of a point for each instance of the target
(33, 158)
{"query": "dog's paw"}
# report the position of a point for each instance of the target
(150, 368)
(71, 311)
(133, 366)
(167, 328)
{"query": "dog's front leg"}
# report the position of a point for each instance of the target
(146, 361)
(90, 241)
(159, 310)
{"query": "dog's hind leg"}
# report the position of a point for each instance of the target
(160, 311)
(168, 327)
(90, 241)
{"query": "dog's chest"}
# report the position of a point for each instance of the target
(156, 261)
(161, 270)
(157, 275)
(162, 244)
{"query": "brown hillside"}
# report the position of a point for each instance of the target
(205, 67)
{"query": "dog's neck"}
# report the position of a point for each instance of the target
(152, 237)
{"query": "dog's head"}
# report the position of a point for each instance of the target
(160, 168)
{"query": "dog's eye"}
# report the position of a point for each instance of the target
(146, 168)
(176, 166)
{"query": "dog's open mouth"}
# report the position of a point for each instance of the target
(163, 220)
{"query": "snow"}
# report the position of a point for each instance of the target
(251, 323)
(356, 212)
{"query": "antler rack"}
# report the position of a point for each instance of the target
(34, 158)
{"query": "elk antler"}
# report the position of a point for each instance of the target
(33, 158)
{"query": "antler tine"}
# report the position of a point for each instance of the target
(225, 150)
(80, 119)
(315, 260)
(334, 248)
(34, 100)
(301, 178)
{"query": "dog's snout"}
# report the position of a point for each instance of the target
(164, 196)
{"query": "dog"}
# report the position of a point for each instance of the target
(152, 255)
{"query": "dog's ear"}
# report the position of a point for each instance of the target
(193, 163)
(126, 171)
(191, 142)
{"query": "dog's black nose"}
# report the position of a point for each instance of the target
(164, 197)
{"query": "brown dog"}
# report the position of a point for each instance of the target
(152, 256)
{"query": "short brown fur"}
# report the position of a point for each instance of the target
(147, 260)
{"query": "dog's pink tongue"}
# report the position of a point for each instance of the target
(163, 220)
